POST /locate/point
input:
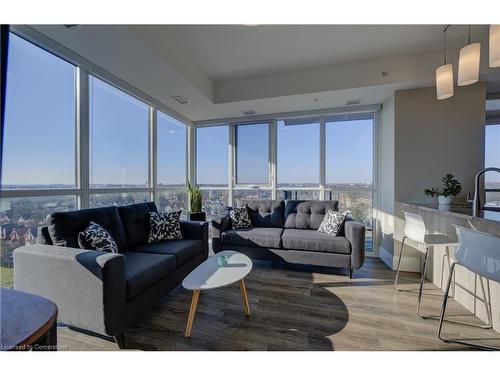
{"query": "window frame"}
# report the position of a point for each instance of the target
(84, 69)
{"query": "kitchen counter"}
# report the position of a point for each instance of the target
(459, 210)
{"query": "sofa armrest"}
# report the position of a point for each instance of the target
(355, 234)
(87, 286)
(196, 230)
(220, 224)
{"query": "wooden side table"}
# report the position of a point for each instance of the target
(27, 321)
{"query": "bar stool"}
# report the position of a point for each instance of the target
(415, 231)
(479, 253)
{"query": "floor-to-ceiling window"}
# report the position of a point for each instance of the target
(298, 160)
(492, 159)
(114, 148)
(39, 164)
(118, 145)
(252, 164)
(349, 167)
(324, 157)
(212, 168)
(171, 164)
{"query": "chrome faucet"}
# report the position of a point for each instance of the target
(476, 204)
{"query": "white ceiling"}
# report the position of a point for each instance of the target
(227, 69)
(229, 51)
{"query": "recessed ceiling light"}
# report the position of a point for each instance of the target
(180, 99)
(248, 113)
(353, 101)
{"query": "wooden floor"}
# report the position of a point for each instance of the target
(297, 308)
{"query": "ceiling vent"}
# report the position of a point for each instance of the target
(76, 27)
(180, 99)
(353, 102)
(248, 113)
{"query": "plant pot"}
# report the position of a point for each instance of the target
(445, 200)
(197, 216)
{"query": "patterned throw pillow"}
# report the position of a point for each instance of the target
(239, 217)
(95, 237)
(165, 226)
(332, 222)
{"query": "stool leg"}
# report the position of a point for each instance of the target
(422, 280)
(445, 301)
(487, 304)
(399, 263)
(447, 255)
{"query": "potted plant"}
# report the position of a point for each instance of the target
(195, 208)
(451, 188)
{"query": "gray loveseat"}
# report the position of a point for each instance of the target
(104, 292)
(288, 231)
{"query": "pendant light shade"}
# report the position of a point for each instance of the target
(444, 81)
(468, 64)
(444, 75)
(494, 46)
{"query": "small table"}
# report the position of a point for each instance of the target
(27, 321)
(209, 275)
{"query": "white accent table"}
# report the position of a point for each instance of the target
(209, 275)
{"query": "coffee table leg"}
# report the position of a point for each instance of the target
(244, 295)
(192, 311)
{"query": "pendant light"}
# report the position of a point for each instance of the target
(444, 75)
(494, 46)
(468, 63)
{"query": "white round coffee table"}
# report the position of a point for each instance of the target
(209, 275)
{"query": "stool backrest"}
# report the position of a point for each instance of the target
(479, 252)
(414, 227)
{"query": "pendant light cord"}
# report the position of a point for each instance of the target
(444, 42)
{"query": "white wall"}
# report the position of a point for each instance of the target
(420, 140)
(435, 137)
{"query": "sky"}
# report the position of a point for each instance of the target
(40, 136)
(492, 151)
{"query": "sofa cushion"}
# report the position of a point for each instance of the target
(142, 270)
(311, 240)
(135, 218)
(264, 213)
(307, 214)
(183, 250)
(64, 227)
(263, 237)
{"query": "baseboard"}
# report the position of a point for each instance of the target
(408, 263)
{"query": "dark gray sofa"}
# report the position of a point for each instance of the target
(103, 292)
(288, 231)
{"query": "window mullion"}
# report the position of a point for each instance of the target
(231, 163)
(83, 137)
(153, 153)
(273, 154)
(322, 157)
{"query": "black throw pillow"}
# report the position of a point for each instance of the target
(165, 226)
(239, 217)
(95, 237)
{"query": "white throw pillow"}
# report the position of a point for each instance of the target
(332, 222)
